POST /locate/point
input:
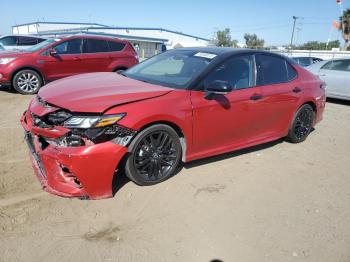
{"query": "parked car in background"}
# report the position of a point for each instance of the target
(336, 74)
(181, 105)
(19, 42)
(56, 58)
(306, 60)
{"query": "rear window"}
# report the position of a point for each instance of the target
(95, 46)
(274, 70)
(116, 46)
(23, 41)
(8, 41)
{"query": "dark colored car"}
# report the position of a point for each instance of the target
(306, 60)
(181, 105)
(53, 59)
(10, 42)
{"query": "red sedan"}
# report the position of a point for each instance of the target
(178, 106)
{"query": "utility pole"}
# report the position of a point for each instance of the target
(291, 41)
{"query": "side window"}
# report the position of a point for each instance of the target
(95, 46)
(23, 41)
(327, 66)
(271, 70)
(69, 47)
(8, 41)
(339, 65)
(291, 72)
(115, 46)
(238, 71)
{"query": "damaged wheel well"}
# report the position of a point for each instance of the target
(119, 174)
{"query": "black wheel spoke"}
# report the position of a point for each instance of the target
(155, 155)
(303, 123)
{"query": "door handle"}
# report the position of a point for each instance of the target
(76, 58)
(256, 97)
(296, 90)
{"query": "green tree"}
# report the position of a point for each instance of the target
(315, 45)
(223, 38)
(252, 41)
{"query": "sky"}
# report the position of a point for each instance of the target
(269, 19)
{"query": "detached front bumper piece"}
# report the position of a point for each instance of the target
(84, 171)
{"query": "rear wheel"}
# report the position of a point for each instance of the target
(155, 155)
(302, 124)
(27, 82)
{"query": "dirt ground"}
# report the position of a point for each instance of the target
(276, 202)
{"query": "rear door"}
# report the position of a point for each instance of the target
(96, 55)
(336, 74)
(67, 62)
(281, 92)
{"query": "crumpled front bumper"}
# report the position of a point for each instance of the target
(85, 171)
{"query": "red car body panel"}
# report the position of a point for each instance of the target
(64, 65)
(208, 127)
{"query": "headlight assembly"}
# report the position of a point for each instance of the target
(92, 121)
(4, 61)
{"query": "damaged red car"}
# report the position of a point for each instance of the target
(178, 106)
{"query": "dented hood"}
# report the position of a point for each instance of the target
(97, 92)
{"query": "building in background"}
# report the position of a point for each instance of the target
(147, 41)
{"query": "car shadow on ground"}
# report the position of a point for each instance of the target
(232, 154)
(6, 89)
(120, 179)
(338, 101)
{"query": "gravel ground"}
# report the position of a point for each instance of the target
(275, 202)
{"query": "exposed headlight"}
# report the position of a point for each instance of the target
(92, 121)
(6, 60)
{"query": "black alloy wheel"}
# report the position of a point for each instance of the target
(155, 155)
(302, 124)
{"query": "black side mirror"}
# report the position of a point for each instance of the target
(218, 87)
(53, 52)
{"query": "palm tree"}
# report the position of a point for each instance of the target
(345, 26)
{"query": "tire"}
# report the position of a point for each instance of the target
(119, 70)
(301, 125)
(27, 82)
(154, 155)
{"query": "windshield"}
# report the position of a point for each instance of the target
(41, 45)
(175, 68)
(1, 47)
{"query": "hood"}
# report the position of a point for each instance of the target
(97, 92)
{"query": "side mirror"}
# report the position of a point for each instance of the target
(218, 87)
(53, 52)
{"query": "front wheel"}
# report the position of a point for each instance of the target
(27, 82)
(155, 155)
(301, 125)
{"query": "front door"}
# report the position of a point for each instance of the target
(68, 61)
(227, 121)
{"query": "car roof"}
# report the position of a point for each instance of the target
(90, 36)
(228, 51)
(31, 36)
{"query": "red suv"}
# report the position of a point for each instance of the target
(56, 58)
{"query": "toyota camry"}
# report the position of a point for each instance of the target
(181, 105)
